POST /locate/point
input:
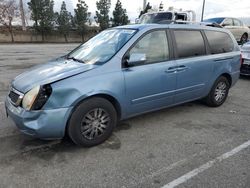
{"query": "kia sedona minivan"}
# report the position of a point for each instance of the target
(120, 73)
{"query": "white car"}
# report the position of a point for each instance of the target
(245, 67)
(240, 31)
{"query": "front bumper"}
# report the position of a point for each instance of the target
(44, 124)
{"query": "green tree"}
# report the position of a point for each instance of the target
(81, 16)
(102, 15)
(63, 20)
(42, 12)
(148, 7)
(120, 16)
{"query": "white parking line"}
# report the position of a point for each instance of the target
(206, 166)
(159, 172)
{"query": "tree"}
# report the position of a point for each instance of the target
(81, 16)
(102, 15)
(120, 15)
(8, 10)
(148, 7)
(63, 20)
(42, 12)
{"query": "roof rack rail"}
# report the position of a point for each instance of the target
(190, 22)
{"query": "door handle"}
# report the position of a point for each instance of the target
(171, 70)
(182, 68)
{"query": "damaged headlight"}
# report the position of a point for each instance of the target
(36, 97)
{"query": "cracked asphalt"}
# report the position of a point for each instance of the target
(150, 150)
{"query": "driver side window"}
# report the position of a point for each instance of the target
(153, 46)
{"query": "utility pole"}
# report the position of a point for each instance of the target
(203, 7)
(144, 4)
(22, 15)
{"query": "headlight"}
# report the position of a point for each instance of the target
(30, 97)
(36, 97)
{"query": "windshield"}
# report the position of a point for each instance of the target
(102, 47)
(215, 20)
(155, 17)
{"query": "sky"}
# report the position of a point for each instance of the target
(213, 8)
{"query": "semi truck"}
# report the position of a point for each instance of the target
(165, 17)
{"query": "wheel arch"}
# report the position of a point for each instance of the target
(228, 77)
(108, 97)
(246, 34)
(112, 100)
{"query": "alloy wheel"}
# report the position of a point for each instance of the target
(94, 123)
(220, 91)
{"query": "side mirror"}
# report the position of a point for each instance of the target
(135, 59)
(137, 20)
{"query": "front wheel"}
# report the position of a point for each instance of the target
(218, 93)
(92, 122)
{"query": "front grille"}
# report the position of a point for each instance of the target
(15, 97)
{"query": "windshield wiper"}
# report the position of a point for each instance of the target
(74, 59)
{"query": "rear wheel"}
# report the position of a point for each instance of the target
(92, 122)
(218, 93)
(243, 38)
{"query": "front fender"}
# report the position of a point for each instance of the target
(71, 91)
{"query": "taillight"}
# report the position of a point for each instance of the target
(241, 59)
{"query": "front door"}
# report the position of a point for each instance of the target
(151, 84)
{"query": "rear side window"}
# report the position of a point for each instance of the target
(219, 42)
(189, 43)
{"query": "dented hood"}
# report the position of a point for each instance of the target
(48, 73)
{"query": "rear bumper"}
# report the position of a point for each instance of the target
(44, 124)
(245, 69)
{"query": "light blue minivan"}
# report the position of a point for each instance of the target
(120, 73)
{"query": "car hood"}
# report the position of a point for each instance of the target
(48, 73)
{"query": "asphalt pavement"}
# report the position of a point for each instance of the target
(191, 145)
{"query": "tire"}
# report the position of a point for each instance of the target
(243, 38)
(92, 122)
(219, 92)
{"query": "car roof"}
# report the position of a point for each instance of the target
(221, 18)
(155, 12)
(166, 26)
